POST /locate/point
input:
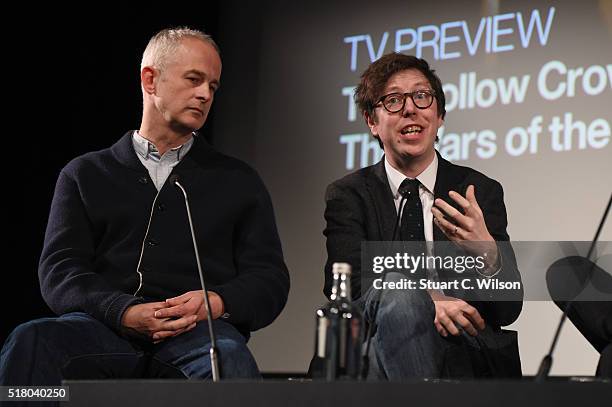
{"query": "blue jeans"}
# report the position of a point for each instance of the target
(406, 343)
(77, 346)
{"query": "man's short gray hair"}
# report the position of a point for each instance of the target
(164, 44)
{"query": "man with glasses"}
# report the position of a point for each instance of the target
(413, 194)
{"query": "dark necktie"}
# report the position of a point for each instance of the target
(411, 227)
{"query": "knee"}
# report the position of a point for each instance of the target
(26, 347)
(49, 334)
(236, 360)
(400, 305)
(22, 332)
(30, 333)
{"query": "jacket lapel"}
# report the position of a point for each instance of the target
(446, 180)
(123, 151)
(380, 194)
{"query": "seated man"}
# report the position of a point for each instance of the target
(118, 264)
(421, 333)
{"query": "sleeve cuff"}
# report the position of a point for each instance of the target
(235, 311)
(116, 309)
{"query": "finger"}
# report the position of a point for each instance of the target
(470, 195)
(450, 212)
(176, 311)
(466, 325)
(179, 300)
(449, 325)
(464, 203)
(452, 231)
(190, 307)
(158, 305)
(440, 328)
(160, 335)
(189, 328)
(177, 333)
(474, 316)
(176, 324)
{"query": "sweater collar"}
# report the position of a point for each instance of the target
(148, 151)
(123, 151)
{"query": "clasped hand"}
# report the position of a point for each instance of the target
(157, 321)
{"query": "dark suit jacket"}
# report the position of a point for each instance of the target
(360, 207)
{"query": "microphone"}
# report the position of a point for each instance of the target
(214, 352)
(586, 268)
(566, 278)
(365, 359)
(576, 275)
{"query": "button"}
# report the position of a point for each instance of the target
(152, 242)
(161, 207)
(143, 180)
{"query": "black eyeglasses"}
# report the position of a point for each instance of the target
(395, 102)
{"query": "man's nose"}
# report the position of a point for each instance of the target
(204, 94)
(409, 107)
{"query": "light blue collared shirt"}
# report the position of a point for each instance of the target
(159, 167)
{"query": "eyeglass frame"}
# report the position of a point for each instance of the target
(405, 95)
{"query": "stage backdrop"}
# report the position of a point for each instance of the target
(528, 87)
(529, 91)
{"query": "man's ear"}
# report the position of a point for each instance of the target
(147, 79)
(371, 122)
(440, 123)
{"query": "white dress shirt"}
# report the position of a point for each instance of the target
(428, 180)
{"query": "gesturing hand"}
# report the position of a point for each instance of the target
(467, 229)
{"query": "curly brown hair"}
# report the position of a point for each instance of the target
(374, 79)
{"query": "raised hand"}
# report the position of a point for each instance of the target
(467, 229)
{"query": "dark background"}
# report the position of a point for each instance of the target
(74, 87)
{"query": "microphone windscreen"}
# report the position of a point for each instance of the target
(602, 277)
(567, 277)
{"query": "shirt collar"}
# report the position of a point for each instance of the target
(427, 178)
(148, 151)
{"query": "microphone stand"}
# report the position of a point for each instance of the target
(214, 353)
(546, 363)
